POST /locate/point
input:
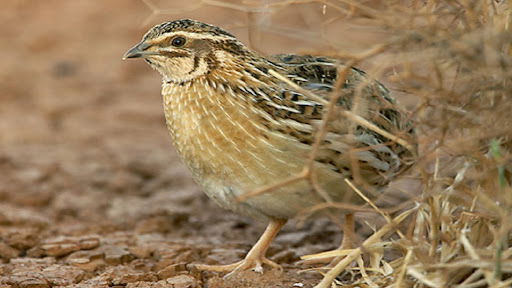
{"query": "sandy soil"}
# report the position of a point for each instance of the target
(92, 193)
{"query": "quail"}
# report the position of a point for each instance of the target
(239, 127)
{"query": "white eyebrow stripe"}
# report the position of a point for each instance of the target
(193, 35)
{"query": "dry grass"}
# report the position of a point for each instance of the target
(454, 58)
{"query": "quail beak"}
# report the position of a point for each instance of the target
(138, 51)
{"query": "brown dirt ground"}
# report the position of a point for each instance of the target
(92, 193)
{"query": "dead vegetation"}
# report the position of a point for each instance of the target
(453, 57)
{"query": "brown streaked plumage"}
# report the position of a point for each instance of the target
(239, 128)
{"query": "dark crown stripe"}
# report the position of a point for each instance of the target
(187, 25)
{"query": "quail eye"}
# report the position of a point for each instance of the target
(178, 41)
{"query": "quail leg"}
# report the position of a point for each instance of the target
(348, 232)
(346, 243)
(256, 256)
(348, 237)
